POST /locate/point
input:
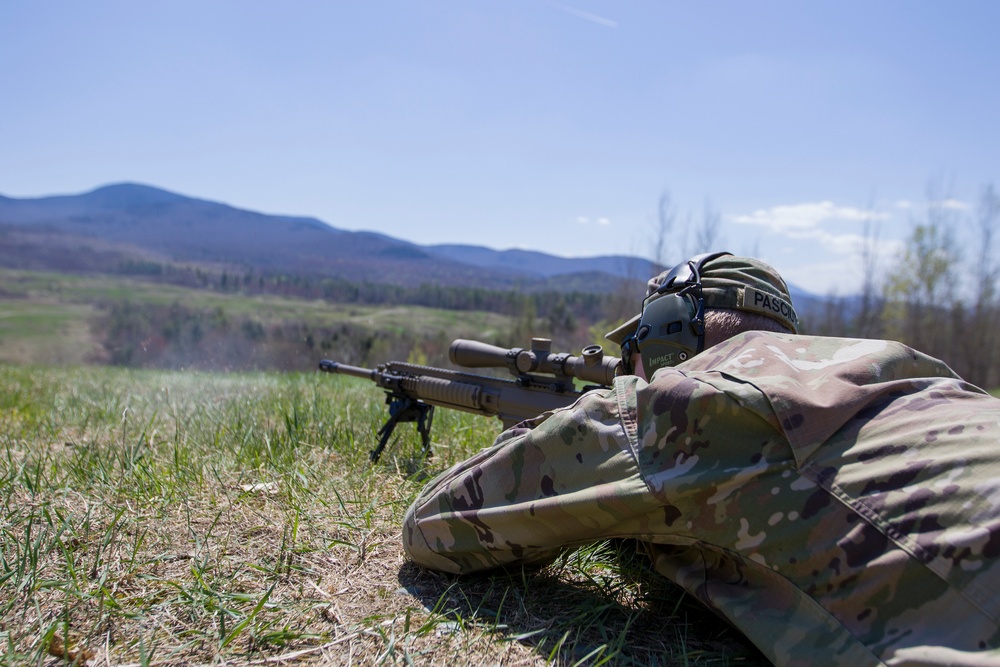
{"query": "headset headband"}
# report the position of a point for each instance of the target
(687, 273)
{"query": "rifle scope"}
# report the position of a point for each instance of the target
(591, 366)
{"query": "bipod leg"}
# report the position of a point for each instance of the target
(424, 427)
(384, 434)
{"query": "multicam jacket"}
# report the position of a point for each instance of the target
(837, 500)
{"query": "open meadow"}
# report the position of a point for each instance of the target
(174, 518)
(51, 318)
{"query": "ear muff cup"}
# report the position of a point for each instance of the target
(667, 335)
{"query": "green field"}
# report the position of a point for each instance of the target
(40, 332)
(169, 518)
(52, 292)
(54, 318)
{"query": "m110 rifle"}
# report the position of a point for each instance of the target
(543, 381)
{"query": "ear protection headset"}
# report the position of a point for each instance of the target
(671, 327)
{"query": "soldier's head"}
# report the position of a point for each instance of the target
(702, 302)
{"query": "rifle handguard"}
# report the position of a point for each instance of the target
(449, 392)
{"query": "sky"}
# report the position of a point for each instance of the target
(551, 126)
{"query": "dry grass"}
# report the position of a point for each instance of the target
(184, 519)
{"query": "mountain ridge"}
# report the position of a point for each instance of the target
(127, 218)
(182, 228)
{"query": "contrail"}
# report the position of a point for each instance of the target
(594, 18)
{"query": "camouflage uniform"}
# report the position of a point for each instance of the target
(837, 500)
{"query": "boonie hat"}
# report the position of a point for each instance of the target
(737, 283)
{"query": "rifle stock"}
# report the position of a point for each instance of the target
(542, 381)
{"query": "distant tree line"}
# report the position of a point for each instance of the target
(175, 335)
(558, 304)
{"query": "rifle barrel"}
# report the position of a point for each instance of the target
(328, 366)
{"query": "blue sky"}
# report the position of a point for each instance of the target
(520, 123)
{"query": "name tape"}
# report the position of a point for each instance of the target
(767, 304)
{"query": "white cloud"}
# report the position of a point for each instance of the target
(788, 218)
(826, 241)
(837, 269)
(585, 220)
(951, 204)
(844, 243)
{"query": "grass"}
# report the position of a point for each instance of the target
(39, 332)
(169, 518)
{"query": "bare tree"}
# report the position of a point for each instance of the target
(751, 249)
(985, 316)
(987, 219)
(662, 228)
(870, 310)
(707, 234)
(921, 287)
(670, 237)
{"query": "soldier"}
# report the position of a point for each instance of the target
(837, 500)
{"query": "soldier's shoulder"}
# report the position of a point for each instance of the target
(804, 352)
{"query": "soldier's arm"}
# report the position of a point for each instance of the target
(571, 480)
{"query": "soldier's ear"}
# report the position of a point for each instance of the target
(637, 368)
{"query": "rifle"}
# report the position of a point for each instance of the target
(543, 381)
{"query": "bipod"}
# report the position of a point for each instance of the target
(405, 409)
